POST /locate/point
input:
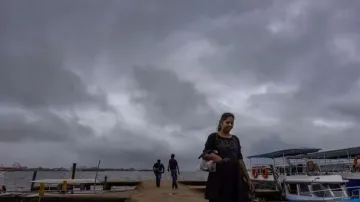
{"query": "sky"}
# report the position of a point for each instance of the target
(128, 82)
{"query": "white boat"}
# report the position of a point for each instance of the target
(266, 177)
(292, 177)
(68, 181)
(261, 172)
(316, 188)
(340, 161)
(84, 184)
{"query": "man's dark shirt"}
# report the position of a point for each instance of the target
(173, 164)
(158, 168)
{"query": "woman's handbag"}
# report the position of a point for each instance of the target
(208, 166)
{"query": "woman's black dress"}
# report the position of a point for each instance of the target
(227, 183)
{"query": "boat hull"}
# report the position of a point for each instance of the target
(353, 183)
(292, 197)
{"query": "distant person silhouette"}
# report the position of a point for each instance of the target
(158, 169)
(173, 167)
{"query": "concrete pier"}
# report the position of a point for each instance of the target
(148, 192)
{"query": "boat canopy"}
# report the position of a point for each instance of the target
(285, 153)
(332, 154)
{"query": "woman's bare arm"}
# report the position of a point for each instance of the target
(244, 170)
(209, 147)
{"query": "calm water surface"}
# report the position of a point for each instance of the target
(20, 181)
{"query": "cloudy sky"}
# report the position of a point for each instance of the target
(132, 81)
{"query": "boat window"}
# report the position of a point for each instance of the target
(336, 189)
(292, 188)
(281, 170)
(320, 190)
(334, 186)
(299, 168)
(304, 190)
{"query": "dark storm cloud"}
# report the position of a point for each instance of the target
(303, 57)
(38, 78)
(349, 109)
(296, 127)
(50, 54)
(133, 149)
(301, 54)
(40, 126)
(126, 147)
(273, 143)
(123, 30)
(34, 70)
(169, 100)
(347, 105)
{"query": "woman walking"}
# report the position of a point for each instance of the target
(230, 182)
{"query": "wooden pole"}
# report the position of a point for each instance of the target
(96, 174)
(33, 179)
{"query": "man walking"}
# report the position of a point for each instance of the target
(173, 167)
(158, 169)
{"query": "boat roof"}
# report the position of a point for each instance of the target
(68, 181)
(315, 179)
(285, 153)
(331, 154)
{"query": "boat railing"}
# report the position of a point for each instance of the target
(259, 164)
(326, 165)
(302, 167)
(298, 170)
(303, 162)
(283, 170)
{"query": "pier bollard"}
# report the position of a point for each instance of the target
(73, 171)
(73, 175)
(64, 187)
(105, 185)
(42, 190)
